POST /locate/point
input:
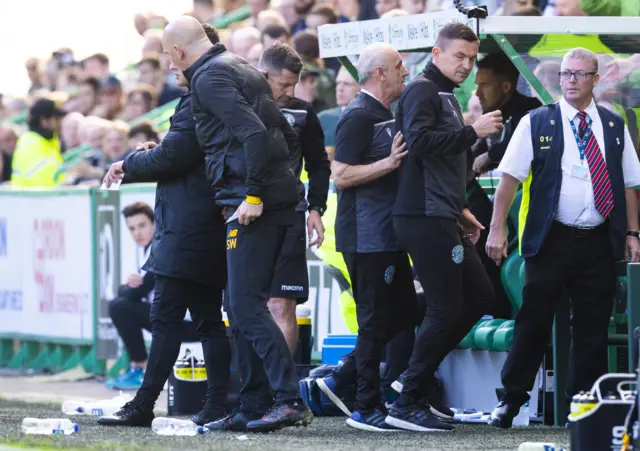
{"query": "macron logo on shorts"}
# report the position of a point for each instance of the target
(291, 288)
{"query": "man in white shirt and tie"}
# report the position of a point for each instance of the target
(578, 216)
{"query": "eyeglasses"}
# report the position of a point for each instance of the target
(579, 74)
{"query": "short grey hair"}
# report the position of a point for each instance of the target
(372, 56)
(580, 53)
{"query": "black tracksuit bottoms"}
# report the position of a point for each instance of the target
(264, 360)
(172, 298)
(457, 288)
(386, 304)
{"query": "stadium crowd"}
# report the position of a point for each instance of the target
(108, 110)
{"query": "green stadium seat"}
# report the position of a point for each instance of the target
(483, 335)
(512, 277)
(514, 216)
(503, 336)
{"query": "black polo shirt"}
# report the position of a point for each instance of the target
(364, 135)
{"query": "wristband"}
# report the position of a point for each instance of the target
(636, 234)
(253, 200)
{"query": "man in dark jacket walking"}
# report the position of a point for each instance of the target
(247, 143)
(188, 260)
(281, 66)
(429, 212)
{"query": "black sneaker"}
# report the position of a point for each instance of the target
(434, 398)
(373, 421)
(414, 418)
(236, 422)
(281, 416)
(134, 413)
(209, 414)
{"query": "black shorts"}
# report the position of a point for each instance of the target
(291, 276)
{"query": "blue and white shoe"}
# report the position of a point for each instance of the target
(129, 380)
(417, 419)
(373, 421)
(329, 388)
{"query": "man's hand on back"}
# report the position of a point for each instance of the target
(488, 124)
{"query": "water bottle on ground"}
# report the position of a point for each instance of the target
(102, 407)
(49, 426)
(531, 446)
(173, 426)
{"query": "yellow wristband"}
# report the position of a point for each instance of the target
(253, 200)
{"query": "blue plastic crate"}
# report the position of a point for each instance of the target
(334, 347)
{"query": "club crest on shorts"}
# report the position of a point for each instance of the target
(457, 254)
(290, 119)
(389, 273)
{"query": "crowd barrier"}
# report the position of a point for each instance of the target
(63, 254)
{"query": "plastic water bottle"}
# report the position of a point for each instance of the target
(172, 426)
(531, 446)
(102, 407)
(49, 426)
(523, 416)
(302, 311)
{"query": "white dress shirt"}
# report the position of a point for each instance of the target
(576, 206)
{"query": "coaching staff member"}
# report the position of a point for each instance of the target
(428, 213)
(188, 260)
(281, 66)
(242, 133)
(365, 173)
(579, 213)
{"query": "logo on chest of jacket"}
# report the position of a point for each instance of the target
(457, 254)
(389, 274)
(290, 119)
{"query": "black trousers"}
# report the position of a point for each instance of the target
(264, 360)
(580, 261)
(482, 208)
(386, 304)
(172, 298)
(130, 317)
(457, 288)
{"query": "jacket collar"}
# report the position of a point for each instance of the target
(434, 74)
(44, 132)
(212, 52)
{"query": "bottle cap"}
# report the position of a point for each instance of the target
(75, 427)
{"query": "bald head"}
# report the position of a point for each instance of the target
(184, 40)
(379, 55)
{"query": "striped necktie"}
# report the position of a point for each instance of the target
(602, 192)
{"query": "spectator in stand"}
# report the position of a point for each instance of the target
(8, 141)
(321, 14)
(92, 133)
(346, 90)
(88, 95)
(270, 17)
(256, 7)
(203, 10)
(414, 6)
(130, 312)
(70, 131)
(152, 74)
(253, 57)
(116, 142)
(291, 14)
(384, 6)
(242, 40)
(548, 74)
(111, 99)
(37, 155)
(14, 106)
(275, 33)
(348, 9)
(97, 66)
(142, 133)
(34, 73)
(140, 100)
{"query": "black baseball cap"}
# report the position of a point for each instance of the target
(45, 108)
(111, 82)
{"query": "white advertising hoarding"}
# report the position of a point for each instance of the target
(46, 275)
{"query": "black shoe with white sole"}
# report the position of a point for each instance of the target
(134, 413)
(433, 399)
(413, 418)
(372, 421)
(281, 416)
